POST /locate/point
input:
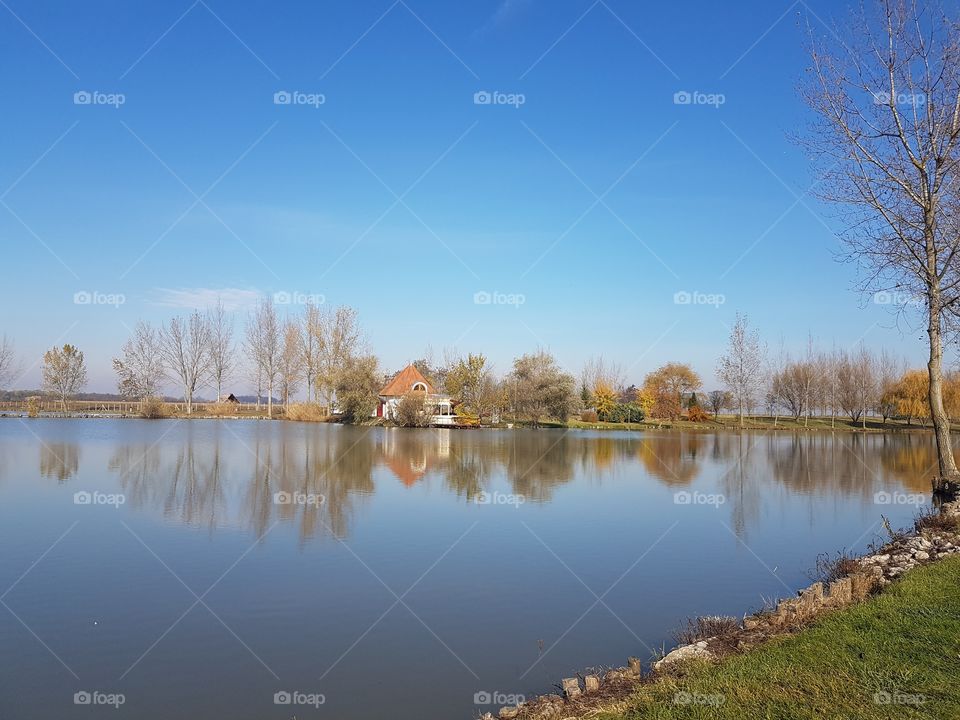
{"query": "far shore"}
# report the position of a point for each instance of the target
(91, 409)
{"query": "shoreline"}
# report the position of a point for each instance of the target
(849, 581)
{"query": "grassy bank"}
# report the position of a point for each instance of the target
(895, 656)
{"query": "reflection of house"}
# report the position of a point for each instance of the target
(411, 455)
(410, 380)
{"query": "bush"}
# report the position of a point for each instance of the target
(933, 519)
(153, 408)
(306, 412)
(411, 410)
(589, 416)
(711, 626)
(697, 414)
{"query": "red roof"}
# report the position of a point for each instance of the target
(404, 381)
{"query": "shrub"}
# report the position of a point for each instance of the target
(710, 626)
(589, 416)
(153, 408)
(933, 519)
(697, 414)
(830, 568)
(411, 410)
(306, 412)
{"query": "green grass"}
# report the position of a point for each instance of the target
(906, 640)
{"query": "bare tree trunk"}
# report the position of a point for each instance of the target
(941, 423)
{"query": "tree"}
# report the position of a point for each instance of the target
(64, 372)
(541, 388)
(140, 371)
(741, 369)
(264, 347)
(185, 349)
(791, 387)
(338, 339)
(720, 400)
(357, 385)
(291, 372)
(8, 361)
(220, 328)
(912, 393)
(667, 385)
(885, 142)
(605, 399)
(471, 383)
(310, 348)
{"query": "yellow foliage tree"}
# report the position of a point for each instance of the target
(604, 399)
(911, 395)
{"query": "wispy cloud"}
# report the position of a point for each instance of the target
(202, 298)
(506, 11)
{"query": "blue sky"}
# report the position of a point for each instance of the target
(583, 187)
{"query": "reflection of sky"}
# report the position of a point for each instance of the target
(599, 515)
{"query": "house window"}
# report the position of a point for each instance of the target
(419, 387)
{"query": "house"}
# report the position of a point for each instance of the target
(412, 380)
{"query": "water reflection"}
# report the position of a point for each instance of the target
(225, 476)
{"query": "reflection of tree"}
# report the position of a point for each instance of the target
(59, 460)
(539, 460)
(673, 458)
(911, 458)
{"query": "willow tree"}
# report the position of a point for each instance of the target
(885, 96)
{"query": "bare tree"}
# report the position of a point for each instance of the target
(185, 348)
(264, 347)
(598, 371)
(339, 340)
(886, 101)
(719, 400)
(310, 349)
(64, 372)
(291, 372)
(220, 325)
(865, 374)
(8, 361)
(140, 371)
(741, 369)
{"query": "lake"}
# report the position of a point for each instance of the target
(256, 569)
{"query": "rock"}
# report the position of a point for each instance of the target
(571, 688)
(921, 555)
(591, 683)
(508, 713)
(751, 623)
(880, 558)
(614, 675)
(684, 653)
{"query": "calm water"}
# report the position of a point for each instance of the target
(384, 585)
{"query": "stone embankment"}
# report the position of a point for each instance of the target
(585, 694)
